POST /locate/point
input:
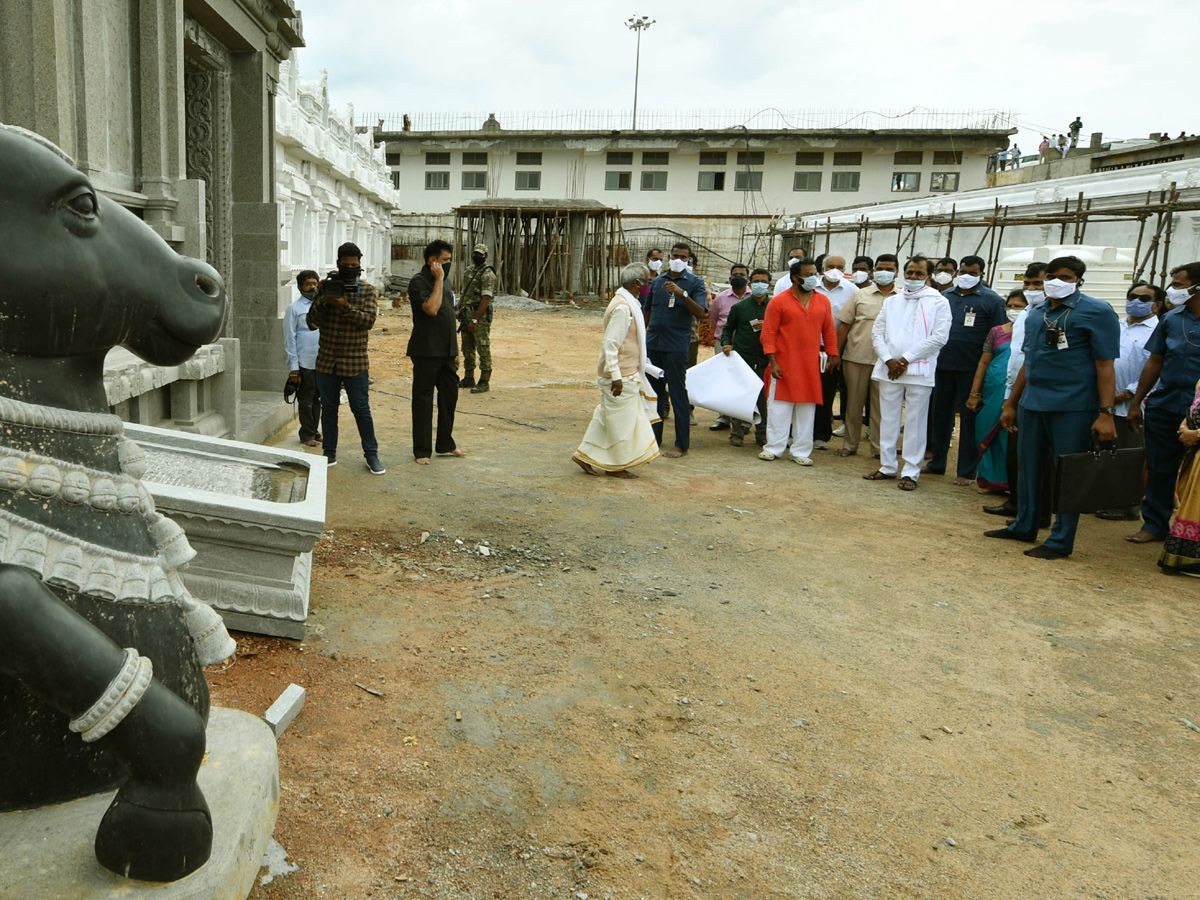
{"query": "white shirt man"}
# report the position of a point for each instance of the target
(1128, 366)
(834, 283)
(785, 280)
(909, 332)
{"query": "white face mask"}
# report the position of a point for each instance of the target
(860, 277)
(678, 265)
(655, 265)
(884, 277)
(811, 283)
(792, 262)
(690, 270)
(1014, 314)
(1060, 290)
(1178, 296)
(912, 285)
(1033, 298)
(943, 278)
(966, 282)
(833, 276)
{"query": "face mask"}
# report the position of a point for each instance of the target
(655, 265)
(1033, 298)
(738, 282)
(690, 270)
(1060, 290)
(912, 285)
(792, 262)
(446, 270)
(1014, 314)
(478, 259)
(883, 277)
(811, 283)
(678, 265)
(833, 276)
(349, 273)
(966, 282)
(311, 295)
(1177, 296)
(1136, 309)
(759, 288)
(860, 277)
(943, 278)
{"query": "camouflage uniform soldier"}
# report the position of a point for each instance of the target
(475, 316)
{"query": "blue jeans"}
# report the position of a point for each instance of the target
(1164, 454)
(674, 365)
(1044, 437)
(356, 387)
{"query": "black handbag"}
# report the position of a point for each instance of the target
(1100, 478)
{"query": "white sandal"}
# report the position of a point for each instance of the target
(767, 455)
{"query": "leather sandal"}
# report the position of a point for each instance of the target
(878, 475)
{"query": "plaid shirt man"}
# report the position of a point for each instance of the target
(344, 331)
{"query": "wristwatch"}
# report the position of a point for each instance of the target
(474, 321)
(1110, 410)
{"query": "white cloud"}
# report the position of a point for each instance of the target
(1109, 61)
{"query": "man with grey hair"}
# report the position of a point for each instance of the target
(621, 436)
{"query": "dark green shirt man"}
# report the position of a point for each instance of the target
(743, 333)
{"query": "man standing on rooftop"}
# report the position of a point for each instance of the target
(677, 298)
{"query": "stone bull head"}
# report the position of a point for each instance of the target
(80, 274)
(101, 678)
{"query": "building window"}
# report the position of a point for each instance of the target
(474, 181)
(750, 157)
(906, 181)
(712, 158)
(908, 158)
(396, 180)
(437, 181)
(810, 157)
(943, 181)
(618, 181)
(437, 159)
(947, 157)
(475, 159)
(711, 181)
(654, 181)
(847, 158)
(810, 181)
(747, 181)
(529, 181)
(655, 158)
(393, 159)
(529, 159)
(619, 158)
(844, 181)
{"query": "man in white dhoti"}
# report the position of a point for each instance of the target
(621, 435)
(910, 330)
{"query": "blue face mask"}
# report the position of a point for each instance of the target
(1137, 309)
(759, 288)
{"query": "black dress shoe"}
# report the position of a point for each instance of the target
(1003, 509)
(718, 426)
(1005, 535)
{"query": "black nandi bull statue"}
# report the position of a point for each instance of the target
(87, 567)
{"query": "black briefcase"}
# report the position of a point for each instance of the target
(1100, 478)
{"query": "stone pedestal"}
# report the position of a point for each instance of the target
(48, 852)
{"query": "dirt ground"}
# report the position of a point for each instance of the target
(727, 679)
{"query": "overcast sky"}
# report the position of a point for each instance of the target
(1113, 62)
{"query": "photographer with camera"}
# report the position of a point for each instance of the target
(344, 312)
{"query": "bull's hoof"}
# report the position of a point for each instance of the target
(155, 833)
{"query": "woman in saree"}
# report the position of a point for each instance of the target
(987, 398)
(1181, 550)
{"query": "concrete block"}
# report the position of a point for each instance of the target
(49, 852)
(281, 713)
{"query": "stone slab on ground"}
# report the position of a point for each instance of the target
(281, 713)
(48, 852)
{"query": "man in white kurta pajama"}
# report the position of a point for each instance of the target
(910, 330)
(621, 435)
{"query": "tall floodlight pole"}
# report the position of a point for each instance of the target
(638, 24)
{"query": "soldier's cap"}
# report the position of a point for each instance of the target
(481, 248)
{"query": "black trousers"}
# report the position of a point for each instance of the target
(950, 393)
(308, 405)
(432, 373)
(823, 415)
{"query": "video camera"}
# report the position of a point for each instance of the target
(333, 287)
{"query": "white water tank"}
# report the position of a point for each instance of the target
(1109, 269)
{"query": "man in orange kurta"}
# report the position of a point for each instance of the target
(794, 323)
